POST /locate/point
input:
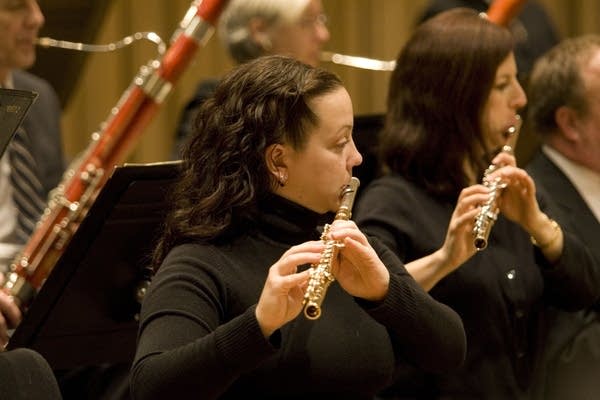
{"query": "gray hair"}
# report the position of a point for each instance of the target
(234, 23)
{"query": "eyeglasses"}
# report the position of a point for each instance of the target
(314, 21)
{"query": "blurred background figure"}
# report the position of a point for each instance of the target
(29, 170)
(31, 166)
(254, 28)
(19, 25)
(564, 111)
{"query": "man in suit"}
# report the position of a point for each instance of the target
(24, 373)
(564, 110)
(20, 22)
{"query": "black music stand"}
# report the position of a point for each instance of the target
(86, 311)
(14, 105)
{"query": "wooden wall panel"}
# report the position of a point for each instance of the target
(370, 28)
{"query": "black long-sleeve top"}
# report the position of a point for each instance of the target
(499, 292)
(199, 337)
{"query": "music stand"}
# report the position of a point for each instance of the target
(86, 311)
(14, 105)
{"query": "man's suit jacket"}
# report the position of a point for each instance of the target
(42, 123)
(571, 362)
(574, 212)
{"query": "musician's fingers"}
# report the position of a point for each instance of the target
(3, 333)
(301, 255)
(471, 198)
(343, 229)
(504, 158)
(9, 311)
(310, 246)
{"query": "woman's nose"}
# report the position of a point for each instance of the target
(520, 98)
(356, 158)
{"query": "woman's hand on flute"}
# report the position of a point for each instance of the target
(283, 293)
(358, 269)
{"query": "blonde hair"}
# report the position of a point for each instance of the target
(234, 23)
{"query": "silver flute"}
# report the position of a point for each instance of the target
(321, 275)
(488, 214)
(372, 64)
(489, 210)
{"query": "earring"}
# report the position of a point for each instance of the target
(265, 42)
(282, 179)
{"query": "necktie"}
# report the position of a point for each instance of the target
(28, 193)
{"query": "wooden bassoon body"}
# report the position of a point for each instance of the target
(71, 199)
(502, 12)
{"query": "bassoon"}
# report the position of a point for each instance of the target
(502, 12)
(69, 202)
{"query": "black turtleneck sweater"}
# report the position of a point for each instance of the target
(199, 336)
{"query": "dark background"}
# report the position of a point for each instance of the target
(72, 20)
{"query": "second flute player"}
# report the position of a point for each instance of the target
(452, 98)
(271, 157)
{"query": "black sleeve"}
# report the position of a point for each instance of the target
(428, 333)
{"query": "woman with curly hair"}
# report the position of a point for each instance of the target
(223, 314)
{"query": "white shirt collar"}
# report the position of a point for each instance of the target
(586, 181)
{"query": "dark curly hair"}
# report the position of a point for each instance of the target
(224, 173)
(436, 95)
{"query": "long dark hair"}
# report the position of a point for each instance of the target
(224, 173)
(436, 95)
